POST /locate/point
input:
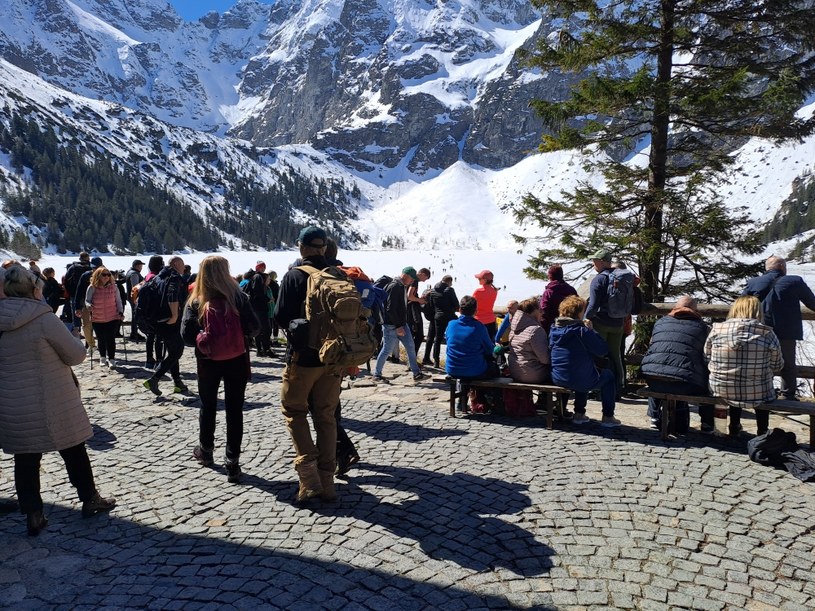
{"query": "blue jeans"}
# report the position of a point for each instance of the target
(390, 341)
(608, 391)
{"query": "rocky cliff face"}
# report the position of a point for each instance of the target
(375, 83)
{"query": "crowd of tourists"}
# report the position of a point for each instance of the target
(335, 318)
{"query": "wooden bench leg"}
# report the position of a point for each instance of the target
(668, 417)
(550, 409)
(453, 397)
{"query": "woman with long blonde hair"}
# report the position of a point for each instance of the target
(217, 319)
(104, 303)
(743, 354)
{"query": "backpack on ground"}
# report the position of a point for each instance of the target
(620, 293)
(338, 322)
(221, 337)
(151, 304)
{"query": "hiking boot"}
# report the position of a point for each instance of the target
(420, 376)
(579, 418)
(310, 483)
(609, 422)
(436, 364)
(96, 504)
(707, 429)
(204, 457)
(35, 522)
(233, 471)
(151, 384)
(329, 493)
(427, 362)
(180, 388)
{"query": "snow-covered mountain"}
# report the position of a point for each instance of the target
(417, 109)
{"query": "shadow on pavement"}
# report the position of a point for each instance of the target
(398, 431)
(451, 516)
(102, 440)
(113, 563)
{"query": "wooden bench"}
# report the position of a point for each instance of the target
(779, 406)
(549, 392)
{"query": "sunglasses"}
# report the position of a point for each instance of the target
(104, 274)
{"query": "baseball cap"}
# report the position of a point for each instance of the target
(312, 236)
(410, 271)
(604, 254)
(96, 262)
(261, 266)
(484, 273)
(137, 262)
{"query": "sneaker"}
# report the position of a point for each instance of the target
(96, 504)
(345, 462)
(580, 419)
(379, 379)
(90, 352)
(233, 472)
(181, 388)
(427, 362)
(610, 422)
(151, 384)
(707, 429)
(656, 423)
(436, 364)
(111, 363)
(420, 376)
(204, 457)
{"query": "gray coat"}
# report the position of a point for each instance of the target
(40, 407)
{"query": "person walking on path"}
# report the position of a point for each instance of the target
(34, 417)
(169, 329)
(395, 329)
(217, 320)
(445, 305)
(132, 278)
(104, 303)
(781, 296)
(306, 377)
(79, 304)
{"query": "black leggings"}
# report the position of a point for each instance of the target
(106, 337)
(235, 374)
(27, 476)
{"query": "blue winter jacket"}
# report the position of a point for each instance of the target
(781, 302)
(573, 348)
(469, 347)
(677, 349)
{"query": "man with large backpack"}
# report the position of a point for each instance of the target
(70, 281)
(173, 291)
(315, 358)
(611, 299)
(80, 310)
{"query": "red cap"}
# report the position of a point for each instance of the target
(260, 266)
(484, 273)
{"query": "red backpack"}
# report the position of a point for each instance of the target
(221, 337)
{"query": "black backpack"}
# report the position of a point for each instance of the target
(151, 305)
(72, 276)
(382, 282)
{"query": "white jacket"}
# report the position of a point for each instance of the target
(40, 407)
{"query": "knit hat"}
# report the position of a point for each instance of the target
(312, 236)
(410, 271)
(260, 267)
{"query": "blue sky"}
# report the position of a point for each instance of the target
(193, 9)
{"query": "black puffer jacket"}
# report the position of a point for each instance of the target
(444, 300)
(677, 350)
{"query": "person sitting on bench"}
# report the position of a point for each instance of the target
(675, 363)
(573, 349)
(469, 346)
(528, 345)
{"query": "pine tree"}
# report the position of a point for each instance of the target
(687, 80)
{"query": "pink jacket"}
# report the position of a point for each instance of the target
(105, 301)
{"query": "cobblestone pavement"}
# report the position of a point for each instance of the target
(441, 513)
